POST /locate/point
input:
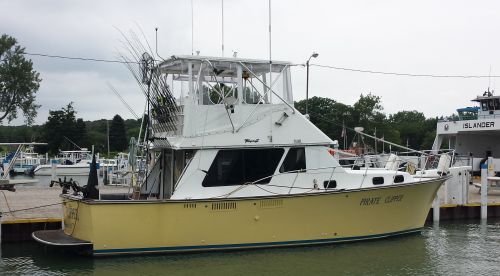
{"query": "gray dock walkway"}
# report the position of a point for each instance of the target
(34, 203)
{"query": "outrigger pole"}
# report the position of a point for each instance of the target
(390, 143)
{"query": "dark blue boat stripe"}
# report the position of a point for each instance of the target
(248, 245)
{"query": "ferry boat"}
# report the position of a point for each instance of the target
(236, 166)
(474, 132)
(69, 163)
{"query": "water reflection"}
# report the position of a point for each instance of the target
(392, 256)
(464, 247)
(456, 248)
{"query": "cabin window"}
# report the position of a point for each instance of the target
(497, 104)
(236, 167)
(399, 179)
(378, 180)
(484, 105)
(330, 184)
(295, 160)
(491, 105)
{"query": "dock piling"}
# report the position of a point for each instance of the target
(53, 168)
(484, 188)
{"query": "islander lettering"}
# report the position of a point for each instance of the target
(479, 125)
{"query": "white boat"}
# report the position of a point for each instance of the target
(68, 163)
(474, 134)
(27, 160)
(22, 160)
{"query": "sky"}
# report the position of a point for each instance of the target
(447, 37)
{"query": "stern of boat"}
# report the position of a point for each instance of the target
(76, 235)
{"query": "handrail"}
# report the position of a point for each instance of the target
(12, 162)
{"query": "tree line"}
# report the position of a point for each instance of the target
(64, 131)
(410, 128)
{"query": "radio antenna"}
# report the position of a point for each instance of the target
(222, 6)
(192, 28)
(156, 35)
(270, 60)
(489, 79)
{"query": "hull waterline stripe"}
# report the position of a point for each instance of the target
(247, 245)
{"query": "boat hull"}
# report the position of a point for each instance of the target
(121, 227)
(82, 169)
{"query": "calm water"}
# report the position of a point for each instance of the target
(450, 248)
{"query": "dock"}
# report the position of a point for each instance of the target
(34, 208)
(9, 184)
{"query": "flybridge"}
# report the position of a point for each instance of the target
(201, 101)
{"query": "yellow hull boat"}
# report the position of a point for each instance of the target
(232, 165)
(120, 227)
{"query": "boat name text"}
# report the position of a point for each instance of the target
(71, 217)
(479, 125)
(378, 200)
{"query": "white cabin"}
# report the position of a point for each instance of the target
(475, 132)
(219, 124)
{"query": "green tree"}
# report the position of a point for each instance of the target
(428, 140)
(133, 127)
(367, 112)
(18, 82)
(81, 133)
(117, 134)
(412, 126)
(215, 94)
(60, 129)
(327, 114)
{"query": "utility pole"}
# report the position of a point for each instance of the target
(107, 130)
(313, 55)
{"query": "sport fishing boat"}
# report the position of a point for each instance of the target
(234, 165)
(68, 163)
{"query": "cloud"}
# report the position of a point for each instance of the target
(445, 37)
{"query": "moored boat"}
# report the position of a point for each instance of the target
(474, 132)
(68, 163)
(234, 165)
